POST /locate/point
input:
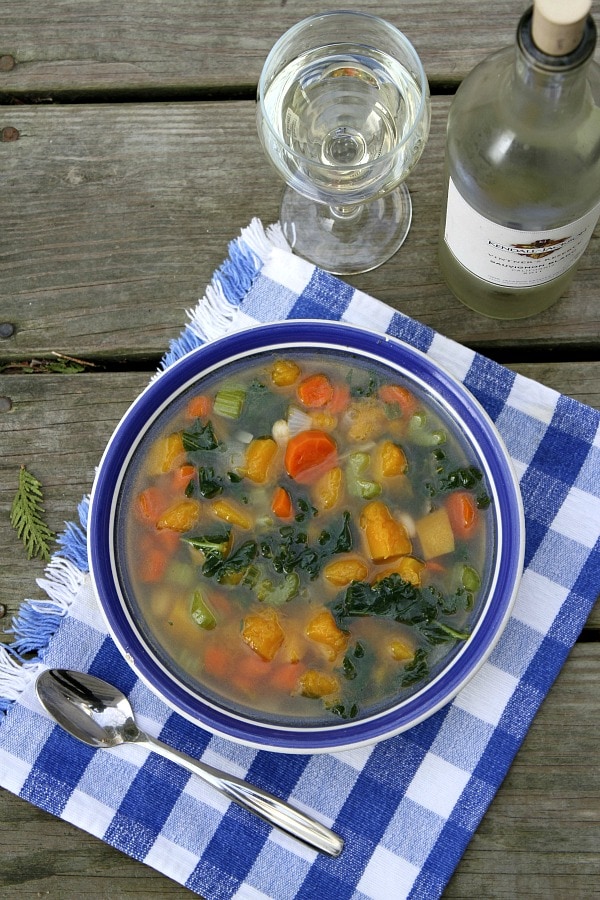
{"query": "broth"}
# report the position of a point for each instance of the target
(305, 537)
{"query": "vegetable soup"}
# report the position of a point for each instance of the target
(306, 537)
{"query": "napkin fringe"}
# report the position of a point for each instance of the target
(14, 678)
(37, 621)
(73, 540)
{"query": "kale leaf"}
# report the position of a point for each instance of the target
(224, 568)
(200, 437)
(209, 484)
(215, 544)
(465, 478)
(295, 552)
(416, 669)
(361, 387)
(403, 602)
(219, 563)
(344, 712)
(392, 596)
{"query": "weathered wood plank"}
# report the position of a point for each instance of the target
(58, 427)
(74, 47)
(117, 215)
(539, 838)
(579, 380)
(53, 859)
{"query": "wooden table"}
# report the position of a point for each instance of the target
(128, 160)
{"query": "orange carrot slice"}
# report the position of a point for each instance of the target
(198, 407)
(315, 391)
(309, 454)
(463, 514)
(182, 476)
(282, 504)
(405, 399)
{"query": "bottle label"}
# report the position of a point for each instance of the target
(510, 257)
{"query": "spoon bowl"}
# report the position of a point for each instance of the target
(87, 707)
(98, 714)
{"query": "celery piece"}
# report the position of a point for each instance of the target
(252, 575)
(421, 435)
(202, 613)
(229, 402)
(358, 463)
(369, 489)
(276, 594)
(470, 579)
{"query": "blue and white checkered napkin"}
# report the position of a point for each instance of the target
(408, 806)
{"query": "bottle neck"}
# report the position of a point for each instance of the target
(554, 82)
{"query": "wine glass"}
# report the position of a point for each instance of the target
(343, 114)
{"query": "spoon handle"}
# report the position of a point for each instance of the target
(275, 811)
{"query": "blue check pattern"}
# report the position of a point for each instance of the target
(407, 807)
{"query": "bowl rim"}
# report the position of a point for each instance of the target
(285, 335)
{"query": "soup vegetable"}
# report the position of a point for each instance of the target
(306, 538)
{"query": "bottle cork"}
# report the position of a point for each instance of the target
(557, 25)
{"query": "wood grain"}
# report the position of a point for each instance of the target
(151, 48)
(119, 214)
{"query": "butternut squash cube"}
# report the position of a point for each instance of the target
(407, 567)
(316, 684)
(284, 372)
(386, 538)
(322, 629)
(401, 649)
(259, 456)
(343, 571)
(328, 489)
(263, 633)
(390, 460)
(164, 453)
(231, 512)
(368, 420)
(324, 420)
(182, 516)
(435, 533)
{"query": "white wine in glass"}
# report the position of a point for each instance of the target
(343, 114)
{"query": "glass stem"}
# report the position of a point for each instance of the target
(346, 213)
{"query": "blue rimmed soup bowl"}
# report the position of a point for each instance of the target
(297, 628)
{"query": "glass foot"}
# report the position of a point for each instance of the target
(346, 240)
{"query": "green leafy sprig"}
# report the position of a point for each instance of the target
(26, 516)
(61, 365)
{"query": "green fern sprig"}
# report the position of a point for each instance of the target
(26, 516)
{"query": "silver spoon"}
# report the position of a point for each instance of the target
(98, 714)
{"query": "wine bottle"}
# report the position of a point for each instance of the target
(523, 166)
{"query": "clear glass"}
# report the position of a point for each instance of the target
(343, 115)
(523, 149)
